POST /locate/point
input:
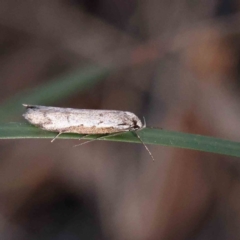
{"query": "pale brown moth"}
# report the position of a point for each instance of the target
(84, 121)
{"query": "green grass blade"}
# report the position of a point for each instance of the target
(53, 91)
(149, 136)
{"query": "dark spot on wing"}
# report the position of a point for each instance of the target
(47, 121)
(31, 107)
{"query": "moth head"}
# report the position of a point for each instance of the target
(137, 124)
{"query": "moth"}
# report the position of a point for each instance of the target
(84, 121)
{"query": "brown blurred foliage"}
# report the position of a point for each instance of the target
(177, 63)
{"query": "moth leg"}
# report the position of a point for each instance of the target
(144, 145)
(98, 138)
(85, 135)
(56, 137)
(91, 140)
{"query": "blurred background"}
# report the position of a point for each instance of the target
(175, 62)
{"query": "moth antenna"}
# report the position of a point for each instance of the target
(98, 138)
(144, 123)
(145, 146)
(56, 137)
(155, 128)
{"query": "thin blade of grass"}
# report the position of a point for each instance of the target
(52, 91)
(149, 136)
